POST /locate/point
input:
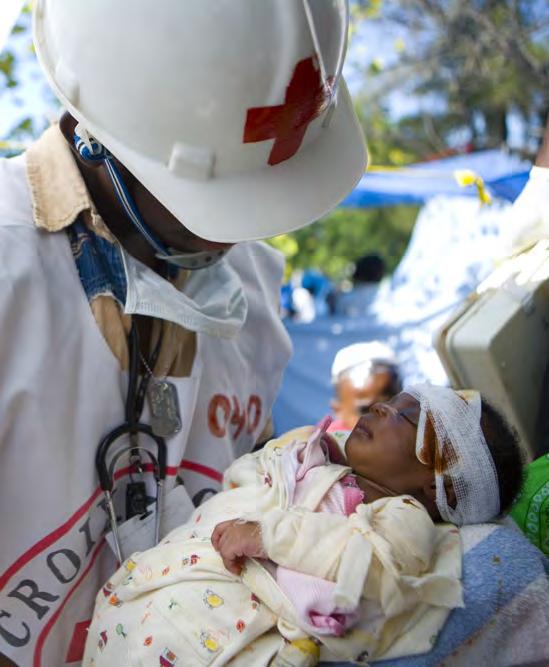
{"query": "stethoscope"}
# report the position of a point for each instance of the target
(93, 151)
(133, 427)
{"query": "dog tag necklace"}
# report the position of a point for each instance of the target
(163, 404)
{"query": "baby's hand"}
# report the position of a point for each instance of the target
(237, 540)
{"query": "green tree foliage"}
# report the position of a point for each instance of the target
(474, 61)
(469, 64)
(7, 62)
(334, 243)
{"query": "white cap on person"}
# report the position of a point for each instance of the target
(357, 360)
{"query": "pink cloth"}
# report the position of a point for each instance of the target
(337, 425)
(312, 597)
(334, 451)
(343, 497)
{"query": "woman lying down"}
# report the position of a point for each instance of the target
(310, 555)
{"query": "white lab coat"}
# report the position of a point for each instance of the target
(61, 391)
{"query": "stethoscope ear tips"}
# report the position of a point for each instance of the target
(89, 149)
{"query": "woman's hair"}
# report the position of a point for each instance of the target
(502, 442)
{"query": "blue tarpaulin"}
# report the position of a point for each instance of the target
(503, 174)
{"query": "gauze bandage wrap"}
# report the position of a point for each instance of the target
(450, 439)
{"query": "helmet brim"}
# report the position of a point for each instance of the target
(264, 203)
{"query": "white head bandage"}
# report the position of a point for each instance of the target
(450, 439)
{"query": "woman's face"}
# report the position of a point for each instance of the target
(381, 447)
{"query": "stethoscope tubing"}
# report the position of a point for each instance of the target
(106, 472)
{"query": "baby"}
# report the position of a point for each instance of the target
(310, 553)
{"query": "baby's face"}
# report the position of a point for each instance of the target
(382, 445)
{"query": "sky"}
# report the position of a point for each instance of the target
(32, 97)
(9, 10)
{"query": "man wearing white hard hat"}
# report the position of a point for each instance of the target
(190, 126)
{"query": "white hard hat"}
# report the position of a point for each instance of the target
(358, 359)
(233, 113)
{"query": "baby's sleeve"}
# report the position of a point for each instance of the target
(305, 541)
(381, 542)
(313, 542)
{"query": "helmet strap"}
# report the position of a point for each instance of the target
(192, 261)
(91, 150)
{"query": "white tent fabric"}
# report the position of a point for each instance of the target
(454, 246)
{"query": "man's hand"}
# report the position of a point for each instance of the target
(237, 540)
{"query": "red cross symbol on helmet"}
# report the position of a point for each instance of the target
(307, 96)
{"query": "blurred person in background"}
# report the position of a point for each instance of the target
(310, 296)
(362, 374)
(368, 274)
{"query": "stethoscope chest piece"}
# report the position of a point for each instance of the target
(136, 495)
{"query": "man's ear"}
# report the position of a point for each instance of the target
(450, 492)
(67, 125)
(430, 491)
